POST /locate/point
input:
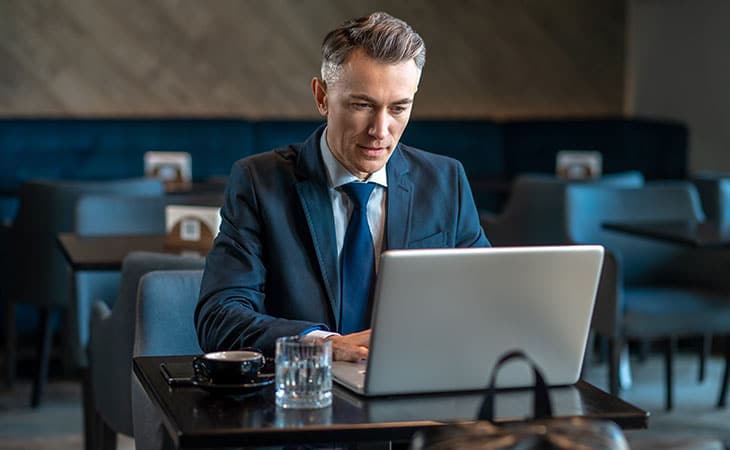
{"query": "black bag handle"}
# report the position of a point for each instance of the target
(541, 406)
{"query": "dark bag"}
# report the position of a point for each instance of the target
(543, 432)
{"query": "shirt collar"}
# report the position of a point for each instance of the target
(336, 172)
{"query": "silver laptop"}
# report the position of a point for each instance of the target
(441, 318)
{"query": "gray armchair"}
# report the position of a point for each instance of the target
(649, 289)
(108, 405)
(36, 271)
(165, 309)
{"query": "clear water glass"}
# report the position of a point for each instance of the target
(303, 373)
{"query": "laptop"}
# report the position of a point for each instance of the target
(442, 317)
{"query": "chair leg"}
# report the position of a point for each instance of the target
(721, 401)
(668, 364)
(106, 437)
(90, 415)
(614, 355)
(706, 347)
(44, 355)
(11, 344)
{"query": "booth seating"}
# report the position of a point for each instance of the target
(492, 152)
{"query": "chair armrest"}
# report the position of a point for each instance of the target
(100, 311)
(99, 329)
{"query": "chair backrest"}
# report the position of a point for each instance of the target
(98, 215)
(535, 212)
(112, 338)
(47, 208)
(643, 260)
(165, 308)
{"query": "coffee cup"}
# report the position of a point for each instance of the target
(229, 367)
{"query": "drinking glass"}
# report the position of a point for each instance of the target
(303, 373)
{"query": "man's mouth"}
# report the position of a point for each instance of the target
(373, 149)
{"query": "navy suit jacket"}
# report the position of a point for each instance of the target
(273, 269)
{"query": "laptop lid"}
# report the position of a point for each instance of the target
(442, 317)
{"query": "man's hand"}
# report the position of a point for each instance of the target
(350, 347)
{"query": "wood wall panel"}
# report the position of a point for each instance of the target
(255, 58)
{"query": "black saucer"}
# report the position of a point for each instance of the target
(232, 389)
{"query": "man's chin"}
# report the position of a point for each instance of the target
(371, 168)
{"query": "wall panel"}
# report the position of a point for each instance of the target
(254, 58)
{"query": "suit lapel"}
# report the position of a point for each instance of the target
(317, 207)
(400, 201)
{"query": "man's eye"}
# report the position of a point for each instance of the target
(398, 109)
(361, 105)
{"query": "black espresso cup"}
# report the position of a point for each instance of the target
(229, 367)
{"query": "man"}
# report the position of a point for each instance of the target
(300, 229)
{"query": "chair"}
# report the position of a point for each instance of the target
(105, 215)
(535, 212)
(35, 270)
(111, 344)
(165, 308)
(649, 289)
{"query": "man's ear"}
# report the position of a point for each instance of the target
(319, 91)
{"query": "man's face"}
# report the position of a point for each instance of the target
(367, 108)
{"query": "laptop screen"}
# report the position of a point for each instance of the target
(441, 318)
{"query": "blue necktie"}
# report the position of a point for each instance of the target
(358, 261)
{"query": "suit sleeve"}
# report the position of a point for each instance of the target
(231, 311)
(469, 231)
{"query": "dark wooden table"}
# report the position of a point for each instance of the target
(195, 418)
(108, 252)
(695, 234)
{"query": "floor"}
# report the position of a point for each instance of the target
(57, 424)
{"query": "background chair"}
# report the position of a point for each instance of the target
(34, 270)
(534, 214)
(649, 289)
(165, 308)
(108, 404)
(106, 215)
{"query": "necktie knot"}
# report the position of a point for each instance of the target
(359, 193)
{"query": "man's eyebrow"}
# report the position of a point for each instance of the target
(403, 101)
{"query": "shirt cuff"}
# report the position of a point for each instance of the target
(317, 334)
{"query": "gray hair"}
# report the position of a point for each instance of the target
(382, 37)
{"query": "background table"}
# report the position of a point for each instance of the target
(108, 252)
(194, 418)
(696, 234)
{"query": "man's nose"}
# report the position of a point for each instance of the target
(379, 126)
